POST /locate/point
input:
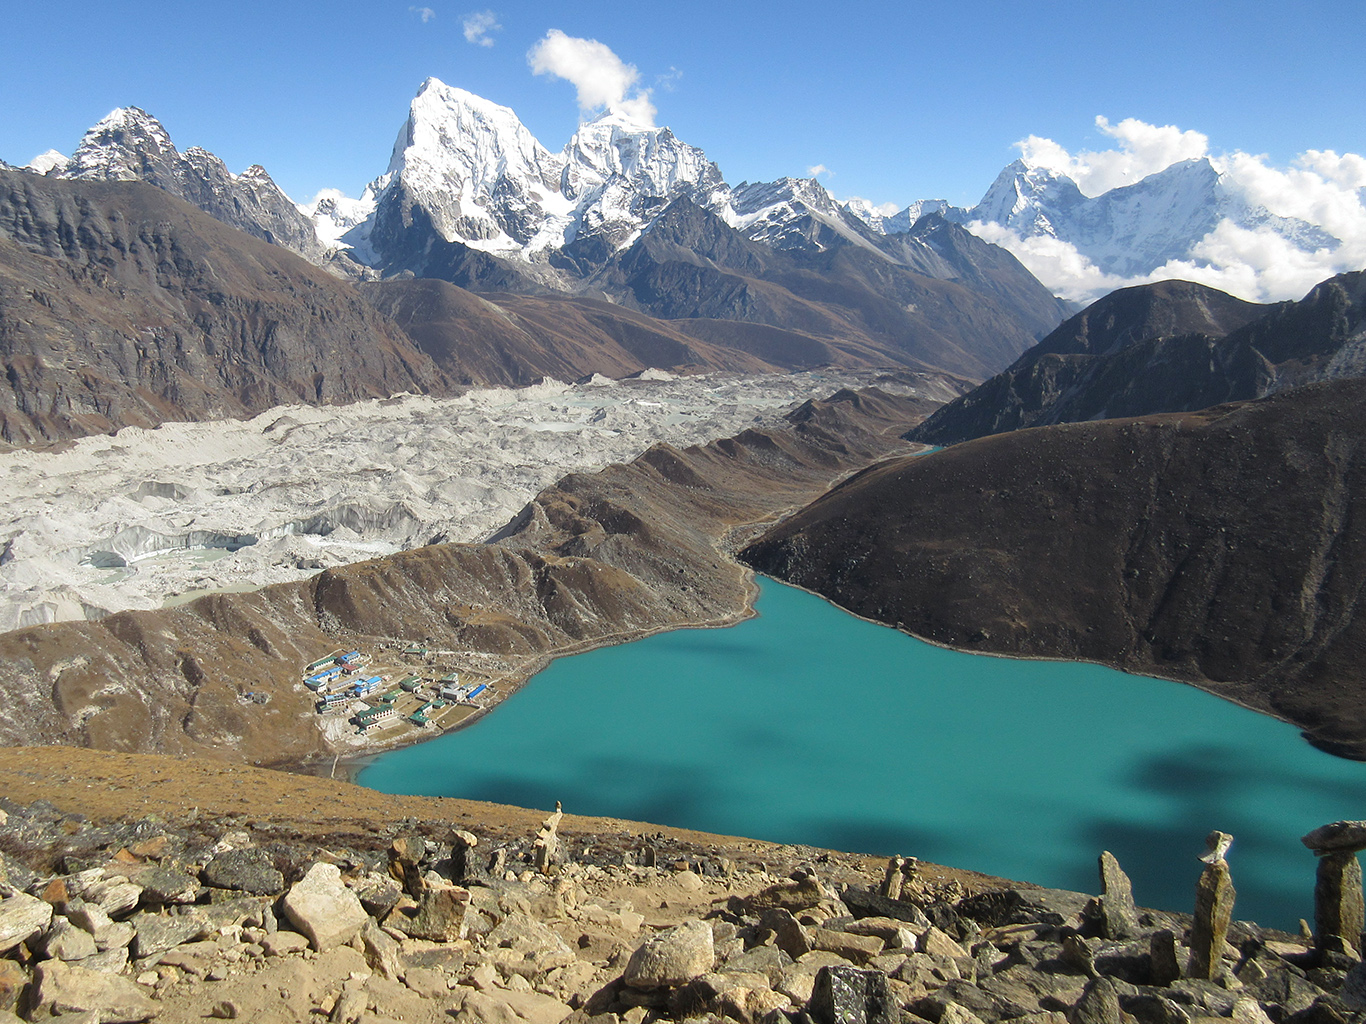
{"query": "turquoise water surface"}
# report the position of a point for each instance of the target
(808, 725)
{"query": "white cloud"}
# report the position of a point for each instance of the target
(816, 170)
(601, 78)
(1144, 149)
(478, 26)
(425, 13)
(1062, 269)
(1348, 170)
(1320, 201)
(879, 209)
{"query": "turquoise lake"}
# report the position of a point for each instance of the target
(808, 725)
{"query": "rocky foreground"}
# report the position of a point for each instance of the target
(292, 911)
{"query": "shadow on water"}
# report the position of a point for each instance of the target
(609, 787)
(1237, 790)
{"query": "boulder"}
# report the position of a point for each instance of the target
(156, 933)
(1164, 959)
(847, 995)
(673, 957)
(1099, 1004)
(115, 896)
(1339, 912)
(284, 943)
(1214, 896)
(440, 914)
(938, 943)
(524, 933)
(377, 893)
(244, 869)
(60, 988)
(405, 863)
(381, 951)
(865, 903)
(789, 935)
(13, 980)
(108, 933)
(857, 949)
(1339, 837)
(64, 941)
(163, 885)
(955, 1013)
(1118, 916)
(110, 961)
(324, 909)
(22, 917)
(767, 961)
(794, 895)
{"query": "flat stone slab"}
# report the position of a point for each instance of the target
(324, 909)
(1338, 837)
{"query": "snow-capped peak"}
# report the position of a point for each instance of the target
(43, 163)
(794, 213)
(120, 147)
(454, 133)
(473, 167)
(652, 159)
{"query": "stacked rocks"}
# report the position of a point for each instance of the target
(218, 920)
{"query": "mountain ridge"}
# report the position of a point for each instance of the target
(1166, 347)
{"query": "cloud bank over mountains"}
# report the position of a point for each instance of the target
(1279, 230)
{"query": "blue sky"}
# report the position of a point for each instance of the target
(899, 101)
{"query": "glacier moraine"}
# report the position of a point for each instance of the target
(143, 517)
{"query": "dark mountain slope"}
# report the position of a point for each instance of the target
(690, 265)
(1226, 548)
(1097, 358)
(499, 338)
(120, 304)
(1164, 348)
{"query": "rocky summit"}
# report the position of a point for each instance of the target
(427, 911)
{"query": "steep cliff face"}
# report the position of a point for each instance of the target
(1225, 548)
(121, 305)
(596, 559)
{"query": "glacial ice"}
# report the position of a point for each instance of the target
(134, 519)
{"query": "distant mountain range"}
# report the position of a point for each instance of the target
(478, 257)
(465, 172)
(500, 261)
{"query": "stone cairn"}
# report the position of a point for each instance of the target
(1214, 896)
(547, 843)
(1338, 909)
